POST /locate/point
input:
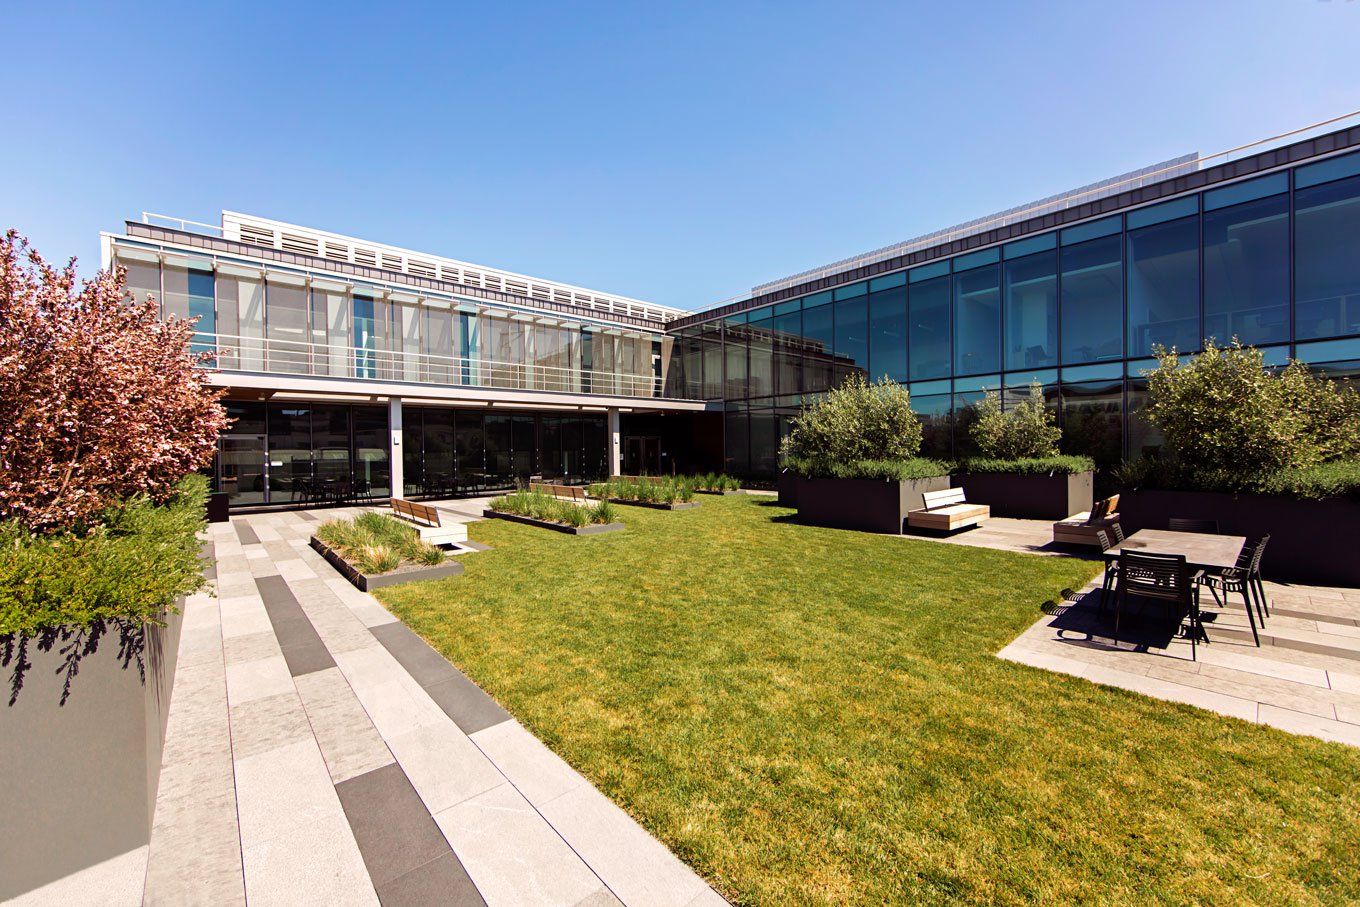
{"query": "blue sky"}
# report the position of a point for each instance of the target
(677, 153)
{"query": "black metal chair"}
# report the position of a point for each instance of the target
(1162, 577)
(1244, 579)
(1111, 559)
(1209, 527)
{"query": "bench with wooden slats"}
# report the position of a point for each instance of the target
(947, 510)
(1081, 528)
(427, 523)
(567, 492)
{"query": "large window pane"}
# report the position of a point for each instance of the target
(888, 334)
(470, 451)
(1164, 287)
(290, 454)
(1093, 420)
(737, 458)
(761, 382)
(764, 442)
(1327, 260)
(241, 454)
(372, 471)
(1246, 272)
(1092, 301)
(1032, 311)
(735, 356)
(286, 324)
(977, 320)
(788, 358)
(819, 350)
(852, 333)
(713, 360)
(928, 338)
(934, 413)
(365, 338)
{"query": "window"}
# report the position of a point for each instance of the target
(438, 346)
(1092, 301)
(928, 336)
(1093, 420)
(1327, 259)
(888, 328)
(817, 331)
(365, 338)
(1032, 311)
(736, 357)
(1246, 271)
(852, 331)
(737, 456)
(372, 472)
(286, 324)
(787, 328)
(761, 381)
(977, 321)
(711, 338)
(1163, 286)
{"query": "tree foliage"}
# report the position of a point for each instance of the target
(1222, 414)
(857, 421)
(1027, 430)
(100, 400)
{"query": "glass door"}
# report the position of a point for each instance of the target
(241, 461)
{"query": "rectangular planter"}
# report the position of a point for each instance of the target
(80, 779)
(720, 493)
(1311, 542)
(870, 505)
(1028, 497)
(365, 582)
(594, 529)
(655, 505)
(786, 483)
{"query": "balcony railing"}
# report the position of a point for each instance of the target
(236, 353)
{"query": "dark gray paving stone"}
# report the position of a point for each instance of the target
(395, 832)
(461, 699)
(302, 647)
(245, 533)
(440, 881)
(308, 515)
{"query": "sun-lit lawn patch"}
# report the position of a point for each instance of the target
(816, 716)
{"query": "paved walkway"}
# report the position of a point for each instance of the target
(319, 752)
(1304, 678)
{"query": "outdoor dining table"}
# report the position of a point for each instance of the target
(1202, 550)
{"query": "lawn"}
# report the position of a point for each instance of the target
(816, 716)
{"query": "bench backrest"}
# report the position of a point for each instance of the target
(423, 514)
(573, 492)
(1104, 508)
(943, 498)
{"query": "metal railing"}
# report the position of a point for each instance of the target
(237, 353)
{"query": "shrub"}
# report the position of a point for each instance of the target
(855, 422)
(890, 470)
(100, 399)
(1225, 418)
(1058, 464)
(1026, 431)
(661, 489)
(378, 543)
(1335, 479)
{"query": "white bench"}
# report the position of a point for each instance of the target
(947, 510)
(425, 520)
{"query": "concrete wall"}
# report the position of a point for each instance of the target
(78, 781)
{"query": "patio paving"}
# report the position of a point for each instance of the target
(1304, 678)
(319, 752)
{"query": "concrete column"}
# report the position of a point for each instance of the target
(612, 445)
(394, 446)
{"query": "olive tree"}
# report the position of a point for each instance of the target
(857, 421)
(1025, 431)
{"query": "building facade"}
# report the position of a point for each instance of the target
(353, 368)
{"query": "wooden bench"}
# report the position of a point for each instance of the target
(566, 492)
(1081, 528)
(427, 524)
(947, 510)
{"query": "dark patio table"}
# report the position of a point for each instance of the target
(1202, 551)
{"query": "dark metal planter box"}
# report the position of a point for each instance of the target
(593, 529)
(1029, 497)
(365, 582)
(655, 505)
(1313, 542)
(787, 486)
(219, 507)
(80, 779)
(870, 505)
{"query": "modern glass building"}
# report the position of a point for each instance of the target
(1074, 293)
(354, 368)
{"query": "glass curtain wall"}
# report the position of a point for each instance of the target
(888, 328)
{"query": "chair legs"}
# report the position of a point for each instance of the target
(1251, 616)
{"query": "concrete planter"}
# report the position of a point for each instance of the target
(786, 483)
(870, 505)
(365, 582)
(1311, 542)
(80, 779)
(593, 529)
(1030, 497)
(655, 505)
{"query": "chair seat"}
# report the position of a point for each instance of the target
(950, 516)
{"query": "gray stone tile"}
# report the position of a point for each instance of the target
(302, 646)
(602, 898)
(320, 867)
(270, 722)
(461, 699)
(538, 772)
(393, 828)
(250, 646)
(349, 742)
(244, 532)
(115, 882)
(257, 679)
(445, 767)
(416, 655)
(443, 880)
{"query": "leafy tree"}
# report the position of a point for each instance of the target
(100, 399)
(855, 422)
(1027, 430)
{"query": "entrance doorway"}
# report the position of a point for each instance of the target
(642, 456)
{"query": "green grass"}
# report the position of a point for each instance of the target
(817, 716)
(378, 543)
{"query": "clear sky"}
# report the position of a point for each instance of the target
(674, 152)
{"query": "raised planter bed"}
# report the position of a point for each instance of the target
(655, 505)
(80, 779)
(870, 505)
(1028, 496)
(593, 529)
(368, 582)
(721, 493)
(786, 484)
(1311, 542)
